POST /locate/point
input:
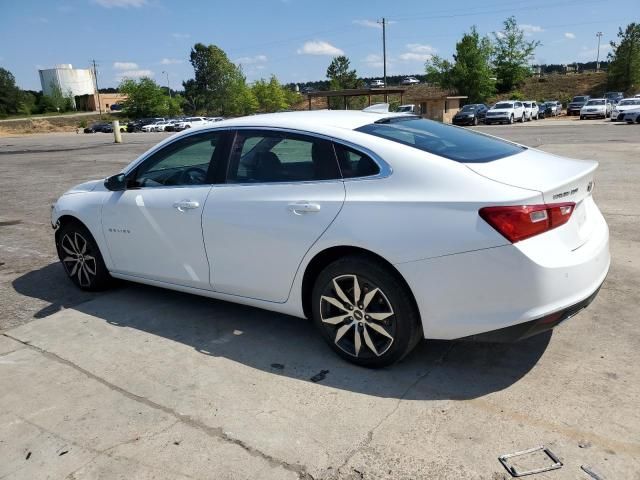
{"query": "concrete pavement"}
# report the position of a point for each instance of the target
(144, 383)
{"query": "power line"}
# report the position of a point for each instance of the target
(95, 76)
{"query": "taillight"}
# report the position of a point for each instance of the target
(519, 222)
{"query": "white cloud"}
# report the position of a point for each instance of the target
(120, 3)
(125, 65)
(170, 61)
(570, 35)
(181, 36)
(319, 47)
(134, 74)
(499, 34)
(374, 60)
(530, 29)
(417, 52)
(252, 60)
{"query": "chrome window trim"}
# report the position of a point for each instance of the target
(385, 169)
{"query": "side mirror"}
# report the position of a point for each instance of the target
(116, 183)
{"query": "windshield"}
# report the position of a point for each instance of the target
(632, 101)
(578, 99)
(446, 141)
(504, 105)
(595, 102)
(469, 108)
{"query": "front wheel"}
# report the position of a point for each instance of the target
(81, 258)
(511, 119)
(581, 117)
(365, 313)
(522, 118)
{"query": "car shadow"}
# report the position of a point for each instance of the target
(289, 346)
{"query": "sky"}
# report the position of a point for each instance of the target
(293, 39)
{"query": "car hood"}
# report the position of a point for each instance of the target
(501, 110)
(85, 187)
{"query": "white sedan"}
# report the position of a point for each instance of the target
(383, 228)
(623, 106)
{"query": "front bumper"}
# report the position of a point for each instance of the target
(463, 121)
(593, 114)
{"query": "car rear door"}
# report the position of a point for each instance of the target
(282, 191)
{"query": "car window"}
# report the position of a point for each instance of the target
(184, 162)
(444, 140)
(265, 157)
(355, 164)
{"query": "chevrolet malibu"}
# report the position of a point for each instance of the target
(382, 228)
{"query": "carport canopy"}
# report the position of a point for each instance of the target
(357, 92)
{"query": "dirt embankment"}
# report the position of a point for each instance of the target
(67, 123)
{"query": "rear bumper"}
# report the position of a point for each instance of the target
(532, 327)
(522, 286)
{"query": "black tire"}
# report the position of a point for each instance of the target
(581, 117)
(522, 119)
(383, 340)
(511, 119)
(475, 121)
(81, 258)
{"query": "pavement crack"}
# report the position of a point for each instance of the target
(369, 436)
(213, 432)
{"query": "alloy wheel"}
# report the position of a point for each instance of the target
(358, 316)
(78, 260)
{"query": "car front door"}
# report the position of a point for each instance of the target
(282, 192)
(153, 228)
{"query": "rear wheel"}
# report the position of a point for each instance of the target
(364, 312)
(81, 258)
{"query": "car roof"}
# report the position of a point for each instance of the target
(309, 120)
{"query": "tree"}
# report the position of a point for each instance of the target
(219, 85)
(470, 73)
(9, 93)
(624, 66)
(340, 77)
(145, 98)
(512, 54)
(271, 96)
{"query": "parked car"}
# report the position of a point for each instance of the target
(116, 107)
(614, 97)
(531, 110)
(505, 112)
(550, 109)
(471, 114)
(376, 83)
(301, 240)
(170, 127)
(623, 106)
(101, 127)
(410, 81)
(307, 90)
(151, 127)
(559, 107)
(596, 108)
(190, 122)
(136, 125)
(632, 116)
(574, 106)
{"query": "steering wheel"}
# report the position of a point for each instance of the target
(194, 176)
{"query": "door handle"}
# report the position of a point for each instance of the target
(184, 205)
(300, 208)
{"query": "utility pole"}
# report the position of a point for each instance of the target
(599, 35)
(384, 53)
(95, 77)
(168, 87)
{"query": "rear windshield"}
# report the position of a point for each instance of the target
(450, 142)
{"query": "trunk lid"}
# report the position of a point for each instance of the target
(559, 180)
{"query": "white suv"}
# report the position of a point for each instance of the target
(532, 109)
(506, 112)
